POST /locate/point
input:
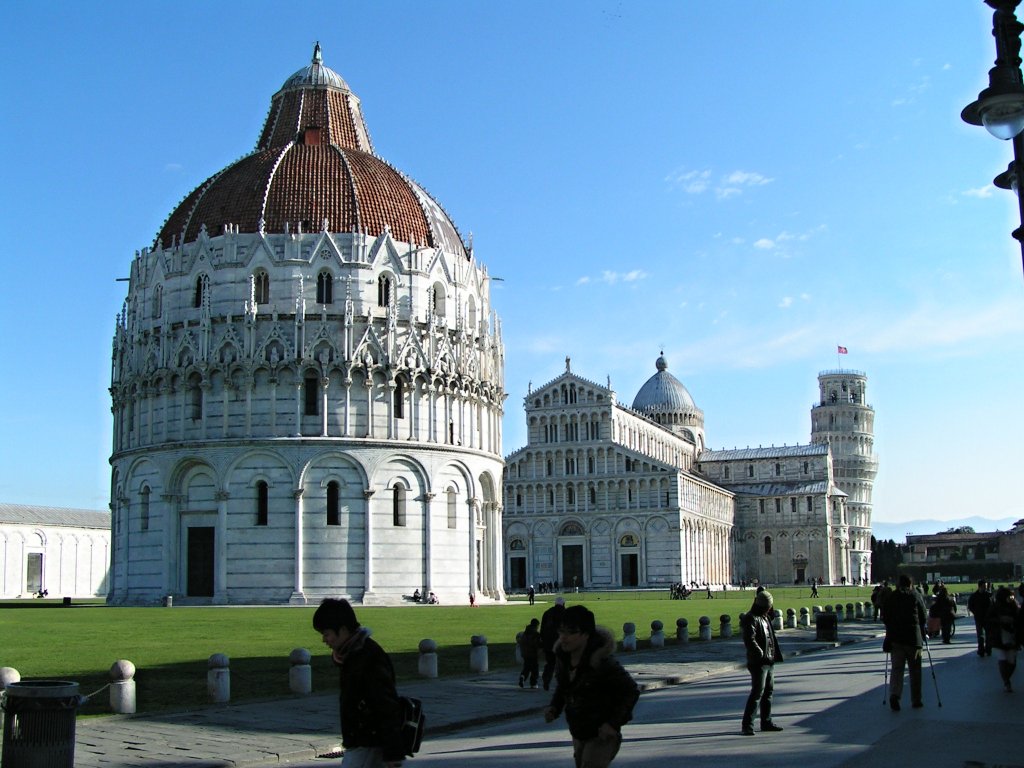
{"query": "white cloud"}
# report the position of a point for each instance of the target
(787, 301)
(747, 179)
(985, 191)
(764, 244)
(691, 182)
(626, 277)
(583, 280)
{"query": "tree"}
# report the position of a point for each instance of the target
(960, 529)
(886, 556)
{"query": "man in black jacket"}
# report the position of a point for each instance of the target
(371, 715)
(550, 621)
(593, 689)
(762, 652)
(978, 604)
(905, 615)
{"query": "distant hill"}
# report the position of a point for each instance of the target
(884, 530)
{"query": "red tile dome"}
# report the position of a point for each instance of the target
(313, 168)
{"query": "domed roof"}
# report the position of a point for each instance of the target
(313, 168)
(663, 392)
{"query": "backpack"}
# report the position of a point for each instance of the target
(413, 722)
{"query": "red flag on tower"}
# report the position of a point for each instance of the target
(841, 350)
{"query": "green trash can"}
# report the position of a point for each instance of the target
(827, 629)
(39, 724)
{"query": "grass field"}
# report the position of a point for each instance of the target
(170, 646)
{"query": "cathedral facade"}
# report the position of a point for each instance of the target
(605, 495)
(307, 381)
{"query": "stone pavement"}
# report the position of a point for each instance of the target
(288, 730)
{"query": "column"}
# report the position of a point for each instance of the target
(427, 531)
(298, 597)
(324, 382)
(220, 558)
(298, 408)
(368, 551)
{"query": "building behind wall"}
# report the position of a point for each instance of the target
(605, 495)
(53, 550)
(307, 381)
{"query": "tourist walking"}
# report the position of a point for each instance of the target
(978, 604)
(762, 653)
(944, 609)
(595, 692)
(529, 649)
(904, 615)
(550, 621)
(371, 716)
(1005, 628)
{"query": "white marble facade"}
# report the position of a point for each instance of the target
(609, 496)
(52, 550)
(304, 409)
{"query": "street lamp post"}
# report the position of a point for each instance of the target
(1000, 107)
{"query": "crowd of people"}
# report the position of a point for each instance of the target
(597, 695)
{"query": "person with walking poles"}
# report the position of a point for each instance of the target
(371, 715)
(978, 604)
(592, 688)
(762, 653)
(550, 621)
(1005, 628)
(905, 616)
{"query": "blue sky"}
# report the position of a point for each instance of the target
(743, 185)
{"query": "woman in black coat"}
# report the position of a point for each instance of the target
(1005, 631)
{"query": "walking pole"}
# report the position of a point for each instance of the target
(885, 690)
(931, 666)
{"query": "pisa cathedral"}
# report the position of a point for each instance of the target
(606, 495)
(307, 391)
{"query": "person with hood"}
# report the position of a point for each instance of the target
(371, 715)
(978, 604)
(591, 687)
(762, 654)
(1005, 629)
(550, 621)
(904, 615)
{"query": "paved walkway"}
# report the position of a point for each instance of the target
(288, 730)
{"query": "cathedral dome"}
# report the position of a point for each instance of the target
(313, 168)
(663, 392)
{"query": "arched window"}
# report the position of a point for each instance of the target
(262, 502)
(570, 495)
(593, 495)
(384, 291)
(311, 394)
(144, 508)
(399, 399)
(333, 503)
(517, 545)
(196, 399)
(767, 545)
(158, 301)
(261, 286)
(202, 291)
(453, 510)
(324, 288)
(629, 540)
(437, 299)
(471, 316)
(398, 504)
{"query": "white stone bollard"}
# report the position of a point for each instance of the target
(840, 615)
(428, 659)
(122, 687)
(682, 630)
(704, 633)
(629, 636)
(851, 612)
(478, 654)
(805, 617)
(218, 678)
(790, 618)
(777, 618)
(657, 634)
(519, 650)
(300, 674)
(725, 625)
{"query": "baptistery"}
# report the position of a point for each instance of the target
(307, 381)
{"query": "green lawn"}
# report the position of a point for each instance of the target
(170, 646)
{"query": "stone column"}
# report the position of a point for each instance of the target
(347, 426)
(324, 382)
(298, 596)
(298, 407)
(220, 566)
(368, 553)
(427, 530)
